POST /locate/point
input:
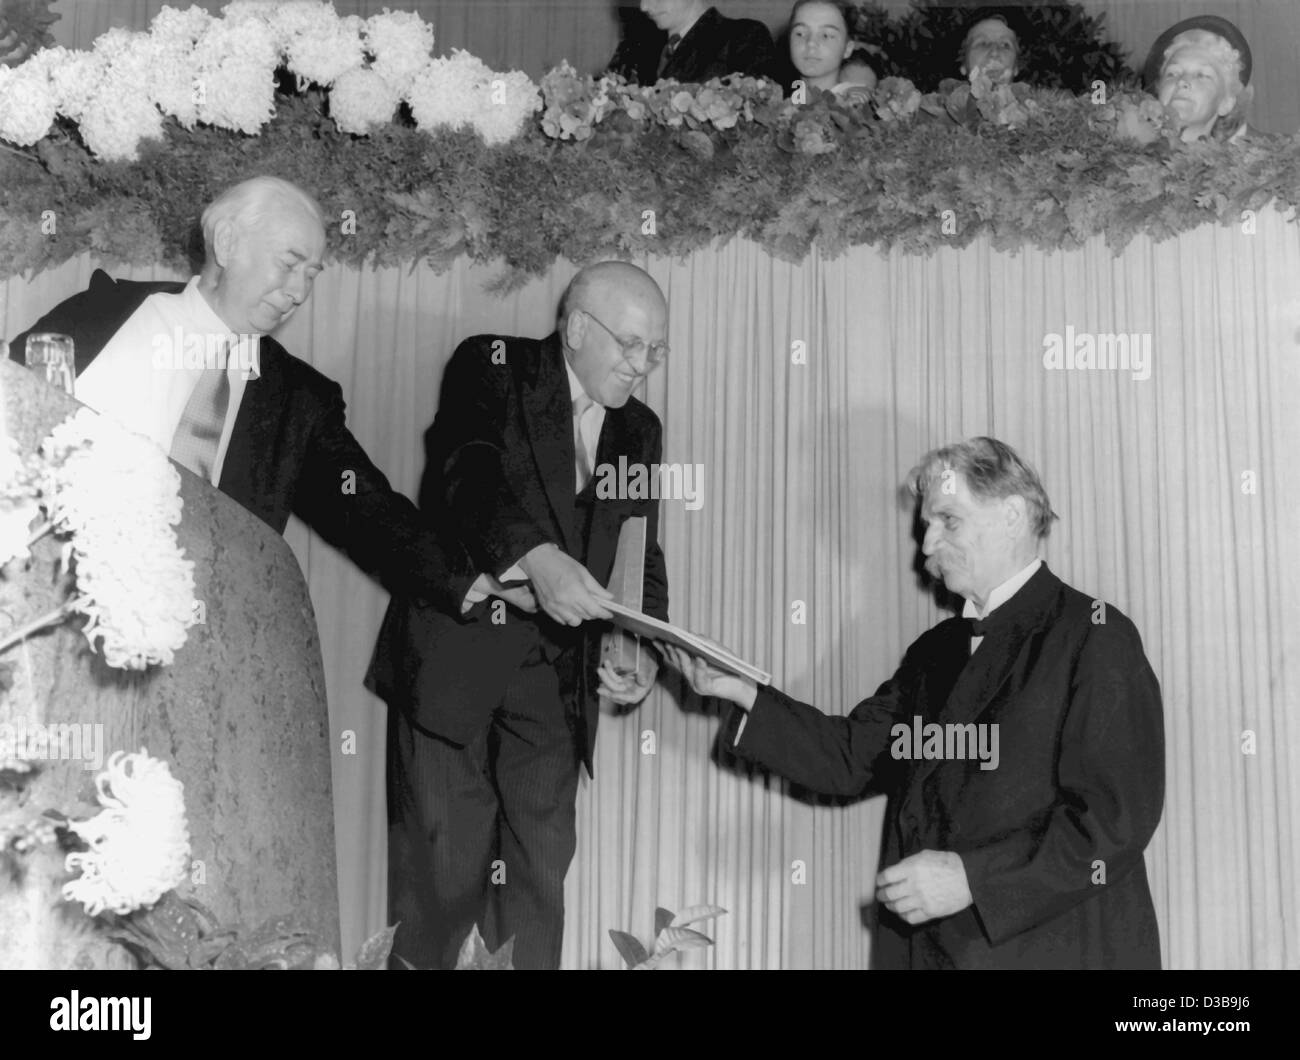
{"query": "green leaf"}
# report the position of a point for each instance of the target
(373, 955)
(475, 956)
(663, 917)
(698, 143)
(232, 958)
(696, 913)
(629, 947)
(678, 938)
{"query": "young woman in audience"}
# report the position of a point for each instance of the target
(820, 48)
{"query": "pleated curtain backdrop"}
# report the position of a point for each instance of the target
(1176, 493)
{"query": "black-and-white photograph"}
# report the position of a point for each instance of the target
(592, 485)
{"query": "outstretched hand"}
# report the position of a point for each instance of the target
(564, 588)
(706, 679)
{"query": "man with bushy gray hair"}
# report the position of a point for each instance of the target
(1021, 746)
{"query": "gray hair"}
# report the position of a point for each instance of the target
(1220, 52)
(247, 202)
(992, 470)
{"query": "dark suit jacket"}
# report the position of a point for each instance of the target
(714, 47)
(288, 451)
(501, 465)
(1080, 782)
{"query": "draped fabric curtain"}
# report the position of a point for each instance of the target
(805, 393)
(534, 36)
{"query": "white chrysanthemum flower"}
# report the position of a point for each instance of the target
(445, 92)
(251, 10)
(75, 77)
(462, 90)
(234, 66)
(128, 55)
(113, 129)
(511, 99)
(139, 843)
(119, 497)
(361, 99)
(401, 43)
(172, 86)
(318, 44)
(28, 102)
(181, 26)
(121, 111)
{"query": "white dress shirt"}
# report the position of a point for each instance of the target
(998, 597)
(140, 377)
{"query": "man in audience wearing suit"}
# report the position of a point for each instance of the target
(692, 42)
(1021, 747)
(192, 366)
(492, 714)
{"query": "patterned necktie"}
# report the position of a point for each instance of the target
(582, 406)
(674, 39)
(195, 443)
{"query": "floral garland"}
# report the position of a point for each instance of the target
(467, 167)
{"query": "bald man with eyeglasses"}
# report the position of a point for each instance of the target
(493, 710)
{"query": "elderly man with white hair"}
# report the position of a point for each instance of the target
(194, 367)
(1200, 69)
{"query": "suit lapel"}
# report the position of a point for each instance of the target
(548, 419)
(697, 41)
(1008, 628)
(962, 685)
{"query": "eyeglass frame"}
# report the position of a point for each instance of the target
(626, 347)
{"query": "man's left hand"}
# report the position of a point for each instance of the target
(632, 688)
(925, 886)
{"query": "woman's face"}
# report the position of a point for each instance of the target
(1194, 88)
(819, 42)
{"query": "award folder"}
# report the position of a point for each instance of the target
(627, 583)
(654, 629)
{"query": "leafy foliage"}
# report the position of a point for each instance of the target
(24, 29)
(182, 934)
(671, 936)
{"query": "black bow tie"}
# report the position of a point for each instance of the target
(978, 626)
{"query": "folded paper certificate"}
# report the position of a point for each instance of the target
(644, 625)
